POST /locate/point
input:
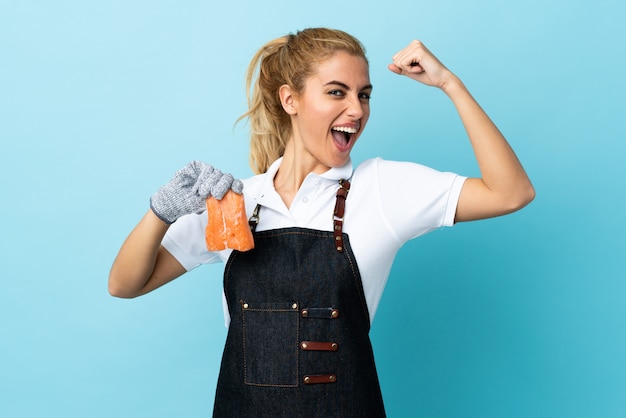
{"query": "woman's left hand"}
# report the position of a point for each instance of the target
(417, 62)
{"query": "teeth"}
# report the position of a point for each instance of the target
(345, 129)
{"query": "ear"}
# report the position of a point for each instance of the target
(288, 99)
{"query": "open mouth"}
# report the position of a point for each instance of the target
(343, 135)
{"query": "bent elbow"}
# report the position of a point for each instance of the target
(523, 198)
(116, 292)
(529, 195)
(116, 289)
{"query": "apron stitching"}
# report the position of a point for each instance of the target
(356, 276)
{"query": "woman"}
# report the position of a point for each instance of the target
(299, 306)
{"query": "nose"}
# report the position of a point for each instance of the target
(355, 108)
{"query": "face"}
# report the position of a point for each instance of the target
(332, 111)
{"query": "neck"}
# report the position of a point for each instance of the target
(294, 168)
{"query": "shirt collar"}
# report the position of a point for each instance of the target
(267, 188)
(344, 172)
(335, 173)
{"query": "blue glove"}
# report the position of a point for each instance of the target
(187, 191)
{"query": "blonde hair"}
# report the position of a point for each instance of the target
(287, 60)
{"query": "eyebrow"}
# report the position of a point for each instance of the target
(345, 86)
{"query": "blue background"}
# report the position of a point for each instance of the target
(101, 101)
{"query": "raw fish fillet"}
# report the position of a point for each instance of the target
(228, 224)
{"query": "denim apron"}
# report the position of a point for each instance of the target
(298, 342)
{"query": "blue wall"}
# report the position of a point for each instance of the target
(101, 101)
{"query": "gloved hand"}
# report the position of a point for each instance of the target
(187, 191)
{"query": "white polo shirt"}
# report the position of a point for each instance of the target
(388, 204)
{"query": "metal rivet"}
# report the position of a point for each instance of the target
(334, 346)
(334, 313)
(294, 306)
(332, 378)
(337, 228)
(339, 248)
(338, 238)
(245, 306)
(307, 379)
(305, 313)
(304, 346)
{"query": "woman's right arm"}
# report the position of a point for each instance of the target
(142, 264)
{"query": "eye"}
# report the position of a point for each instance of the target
(337, 93)
(365, 95)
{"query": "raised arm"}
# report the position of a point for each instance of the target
(503, 186)
(142, 264)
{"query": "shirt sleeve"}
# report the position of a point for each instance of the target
(417, 199)
(186, 242)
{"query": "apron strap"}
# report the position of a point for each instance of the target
(340, 207)
(254, 219)
(338, 214)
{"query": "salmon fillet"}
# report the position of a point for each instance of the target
(227, 225)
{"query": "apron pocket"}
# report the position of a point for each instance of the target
(270, 343)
